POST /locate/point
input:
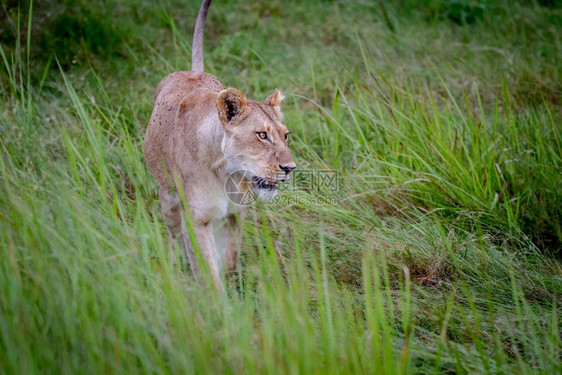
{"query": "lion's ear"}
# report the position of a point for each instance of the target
(230, 103)
(274, 100)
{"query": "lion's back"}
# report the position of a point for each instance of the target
(171, 96)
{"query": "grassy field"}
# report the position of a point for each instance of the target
(437, 251)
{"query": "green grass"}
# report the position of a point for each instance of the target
(441, 255)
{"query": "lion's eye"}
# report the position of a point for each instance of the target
(262, 135)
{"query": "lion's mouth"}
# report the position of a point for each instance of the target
(262, 183)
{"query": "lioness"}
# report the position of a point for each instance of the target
(202, 134)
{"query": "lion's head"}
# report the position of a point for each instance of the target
(256, 139)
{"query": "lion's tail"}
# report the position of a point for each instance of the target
(197, 46)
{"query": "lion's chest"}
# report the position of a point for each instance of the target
(208, 200)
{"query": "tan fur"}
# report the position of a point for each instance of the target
(202, 133)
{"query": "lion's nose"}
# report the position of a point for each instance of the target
(287, 168)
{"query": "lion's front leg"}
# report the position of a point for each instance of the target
(207, 247)
(233, 240)
(172, 217)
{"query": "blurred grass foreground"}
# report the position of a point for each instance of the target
(434, 246)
